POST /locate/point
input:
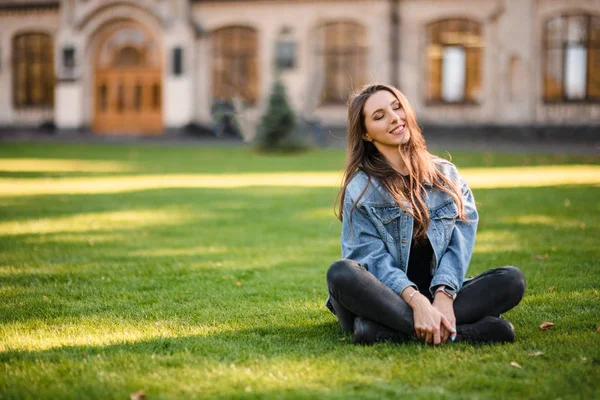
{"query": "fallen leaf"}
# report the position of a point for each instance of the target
(515, 364)
(582, 226)
(552, 288)
(567, 202)
(238, 283)
(546, 325)
(139, 395)
(45, 298)
(598, 330)
(535, 353)
(91, 242)
(539, 256)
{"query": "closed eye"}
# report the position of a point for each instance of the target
(378, 114)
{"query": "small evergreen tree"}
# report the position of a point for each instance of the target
(277, 126)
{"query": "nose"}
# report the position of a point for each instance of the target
(395, 117)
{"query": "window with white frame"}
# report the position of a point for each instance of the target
(571, 58)
(454, 52)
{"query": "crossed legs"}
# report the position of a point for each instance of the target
(355, 292)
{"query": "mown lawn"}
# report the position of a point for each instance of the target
(191, 272)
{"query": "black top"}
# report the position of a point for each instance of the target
(419, 261)
(419, 265)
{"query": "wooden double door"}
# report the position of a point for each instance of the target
(128, 85)
(128, 101)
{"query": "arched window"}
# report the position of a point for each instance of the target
(342, 53)
(454, 61)
(235, 64)
(33, 70)
(571, 61)
(129, 56)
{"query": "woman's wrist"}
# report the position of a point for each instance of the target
(418, 301)
(410, 297)
(409, 294)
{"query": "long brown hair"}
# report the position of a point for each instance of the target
(364, 156)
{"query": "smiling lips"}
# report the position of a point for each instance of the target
(399, 130)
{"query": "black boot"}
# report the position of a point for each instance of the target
(486, 330)
(369, 332)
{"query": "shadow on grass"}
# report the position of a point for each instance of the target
(224, 347)
(303, 361)
(255, 362)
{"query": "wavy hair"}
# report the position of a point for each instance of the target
(364, 156)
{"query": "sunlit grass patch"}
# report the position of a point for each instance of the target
(96, 331)
(317, 213)
(129, 220)
(476, 177)
(196, 250)
(91, 237)
(121, 184)
(491, 241)
(547, 175)
(544, 220)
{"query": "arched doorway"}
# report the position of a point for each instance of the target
(127, 83)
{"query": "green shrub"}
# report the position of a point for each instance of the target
(277, 129)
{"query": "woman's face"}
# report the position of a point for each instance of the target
(385, 120)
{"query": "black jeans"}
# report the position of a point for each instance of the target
(356, 292)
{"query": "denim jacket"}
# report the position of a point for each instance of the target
(378, 233)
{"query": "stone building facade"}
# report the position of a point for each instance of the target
(149, 66)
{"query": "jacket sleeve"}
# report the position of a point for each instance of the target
(362, 242)
(454, 262)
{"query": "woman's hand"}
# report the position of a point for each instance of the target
(430, 322)
(445, 305)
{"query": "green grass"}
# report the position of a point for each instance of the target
(212, 292)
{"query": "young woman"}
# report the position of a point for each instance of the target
(408, 230)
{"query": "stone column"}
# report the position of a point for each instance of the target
(68, 92)
(179, 69)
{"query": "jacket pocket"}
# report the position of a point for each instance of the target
(446, 211)
(387, 214)
(387, 220)
(443, 219)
